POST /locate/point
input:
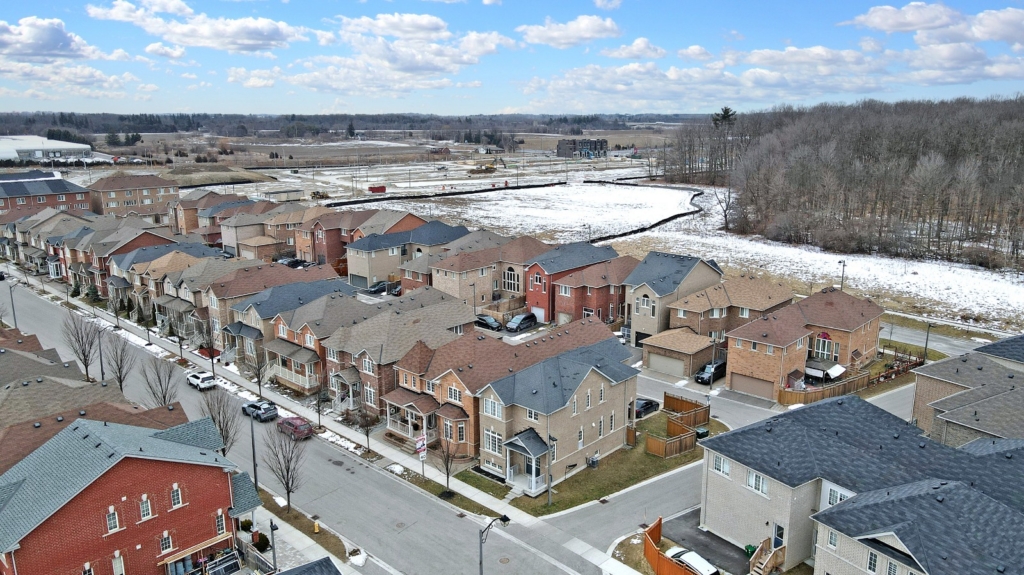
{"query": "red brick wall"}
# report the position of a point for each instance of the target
(330, 247)
(599, 299)
(413, 283)
(77, 533)
(51, 202)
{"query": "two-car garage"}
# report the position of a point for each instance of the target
(752, 386)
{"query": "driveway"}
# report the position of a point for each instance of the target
(722, 554)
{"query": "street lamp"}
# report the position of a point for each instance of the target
(926, 334)
(14, 312)
(273, 548)
(842, 280)
(99, 340)
(473, 285)
(483, 536)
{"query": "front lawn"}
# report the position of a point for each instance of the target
(298, 520)
(615, 472)
(917, 350)
(488, 486)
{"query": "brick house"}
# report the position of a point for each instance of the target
(146, 196)
(858, 490)
(594, 291)
(830, 329)
(546, 269)
(244, 229)
(126, 279)
(363, 356)
(499, 263)
(718, 309)
(377, 257)
(184, 213)
(328, 235)
(659, 280)
(387, 222)
(183, 293)
(443, 383)
(678, 352)
(37, 188)
(102, 246)
(567, 410)
(102, 498)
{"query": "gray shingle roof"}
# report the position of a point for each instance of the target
(571, 256)
(277, 299)
(244, 497)
(1011, 348)
(214, 210)
(663, 272)
(432, 233)
(322, 566)
(549, 385)
(38, 188)
(529, 442)
(150, 253)
(61, 468)
(988, 446)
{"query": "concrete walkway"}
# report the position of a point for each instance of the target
(588, 552)
(295, 548)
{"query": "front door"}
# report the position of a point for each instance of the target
(118, 565)
(780, 535)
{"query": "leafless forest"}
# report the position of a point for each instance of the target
(916, 179)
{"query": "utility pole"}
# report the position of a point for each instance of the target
(842, 280)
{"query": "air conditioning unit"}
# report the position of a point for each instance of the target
(592, 462)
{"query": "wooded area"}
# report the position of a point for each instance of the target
(915, 179)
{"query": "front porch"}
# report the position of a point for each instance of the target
(525, 462)
(346, 387)
(292, 363)
(411, 414)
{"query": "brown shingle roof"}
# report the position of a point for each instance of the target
(388, 336)
(681, 340)
(838, 310)
(348, 220)
(115, 183)
(11, 338)
(522, 250)
(257, 278)
(611, 272)
(781, 328)
(750, 292)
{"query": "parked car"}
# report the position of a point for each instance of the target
(201, 380)
(711, 371)
(3, 276)
(296, 427)
(644, 407)
(521, 322)
(379, 287)
(488, 322)
(692, 560)
(286, 261)
(396, 291)
(261, 410)
(297, 263)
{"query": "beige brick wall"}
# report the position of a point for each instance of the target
(927, 391)
(955, 435)
(848, 557)
(453, 283)
(693, 362)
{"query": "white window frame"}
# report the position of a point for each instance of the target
(220, 522)
(681, 313)
(611, 422)
(447, 429)
(721, 465)
(600, 427)
(332, 354)
(579, 438)
(176, 495)
(531, 414)
(769, 349)
(431, 386)
(757, 482)
(833, 539)
(113, 521)
(166, 543)
(457, 330)
(145, 508)
(564, 290)
(454, 394)
(744, 312)
(461, 429)
(282, 330)
(367, 365)
(835, 496)
(872, 565)
(492, 408)
(370, 394)
(310, 340)
(574, 407)
(393, 251)
(588, 399)
(891, 567)
(250, 347)
(213, 301)
(492, 441)
(600, 394)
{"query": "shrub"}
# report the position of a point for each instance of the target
(262, 543)
(983, 257)
(76, 290)
(246, 525)
(93, 293)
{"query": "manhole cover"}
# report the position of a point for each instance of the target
(400, 525)
(338, 463)
(503, 560)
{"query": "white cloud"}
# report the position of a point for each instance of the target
(607, 4)
(198, 86)
(694, 52)
(254, 78)
(473, 84)
(492, 2)
(409, 26)
(158, 49)
(147, 87)
(45, 40)
(912, 17)
(582, 29)
(189, 75)
(244, 35)
(869, 44)
(640, 49)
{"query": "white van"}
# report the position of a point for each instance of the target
(692, 560)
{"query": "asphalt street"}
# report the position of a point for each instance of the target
(950, 346)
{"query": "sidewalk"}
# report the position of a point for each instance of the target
(295, 548)
(591, 554)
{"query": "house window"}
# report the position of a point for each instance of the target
(145, 192)
(833, 538)
(800, 343)
(112, 524)
(393, 251)
(457, 330)
(447, 430)
(87, 570)
(454, 394)
(165, 543)
(492, 441)
(757, 482)
(21, 200)
(371, 395)
(890, 568)
(408, 274)
(291, 241)
(320, 235)
(79, 196)
(834, 496)
(492, 408)
(564, 290)
(574, 410)
(826, 349)
(213, 301)
(128, 194)
(739, 343)
(872, 562)
(220, 522)
(510, 280)
(332, 354)
(588, 399)
(600, 427)
(654, 310)
(145, 509)
(462, 432)
(310, 340)
(483, 272)
(716, 312)
(600, 394)
(681, 313)
(721, 465)
(588, 290)
(769, 349)
(645, 301)
(111, 194)
(579, 439)
(744, 312)
(431, 386)
(611, 422)
(60, 197)
(531, 414)
(282, 331)
(367, 365)
(175, 496)
(753, 346)
(250, 348)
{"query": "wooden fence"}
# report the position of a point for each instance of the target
(630, 436)
(902, 363)
(670, 446)
(847, 386)
(683, 416)
(661, 564)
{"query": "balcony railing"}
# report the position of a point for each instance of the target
(305, 381)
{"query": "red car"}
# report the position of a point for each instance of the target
(296, 428)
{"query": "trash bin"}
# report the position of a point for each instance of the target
(702, 432)
(749, 550)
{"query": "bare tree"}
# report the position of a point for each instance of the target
(204, 339)
(161, 381)
(120, 356)
(444, 459)
(257, 365)
(83, 338)
(323, 398)
(3, 312)
(366, 421)
(218, 405)
(284, 457)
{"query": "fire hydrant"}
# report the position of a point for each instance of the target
(316, 527)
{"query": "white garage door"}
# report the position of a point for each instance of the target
(665, 364)
(248, 254)
(564, 318)
(752, 386)
(539, 312)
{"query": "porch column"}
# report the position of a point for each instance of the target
(508, 465)
(533, 473)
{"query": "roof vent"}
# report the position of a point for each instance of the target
(840, 402)
(103, 384)
(764, 334)
(82, 413)
(895, 436)
(534, 392)
(170, 408)
(921, 445)
(940, 499)
(510, 370)
(37, 425)
(1009, 375)
(471, 366)
(1009, 456)
(980, 368)
(964, 359)
(24, 383)
(60, 418)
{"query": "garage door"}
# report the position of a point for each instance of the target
(248, 254)
(665, 364)
(752, 386)
(539, 312)
(358, 281)
(564, 318)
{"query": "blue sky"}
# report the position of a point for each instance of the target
(490, 56)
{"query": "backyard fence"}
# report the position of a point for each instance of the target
(683, 416)
(670, 446)
(661, 564)
(852, 384)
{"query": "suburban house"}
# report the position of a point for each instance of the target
(101, 497)
(546, 269)
(659, 280)
(377, 257)
(252, 327)
(93, 250)
(438, 387)
(678, 352)
(1008, 351)
(184, 213)
(418, 272)
(594, 291)
(210, 218)
(41, 189)
(363, 356)
(387, 222)
(242, 228)
(323, 239)
(856, 489)
(44, 235)
(967, 398)
(182, 293)
(721, 308)
(151, 276)
(481, 262)
(53, 386)
(125, 271)
(241, 283)
(808, 343)
(556, 415)
(146, 196)
(283, 226)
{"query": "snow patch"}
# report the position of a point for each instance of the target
(344, 443)
(280, 500)
(396, 469)
(981, 340)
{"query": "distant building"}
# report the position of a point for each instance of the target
(145, 196)
(22, 190)
(582, 149)
(38, 149)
